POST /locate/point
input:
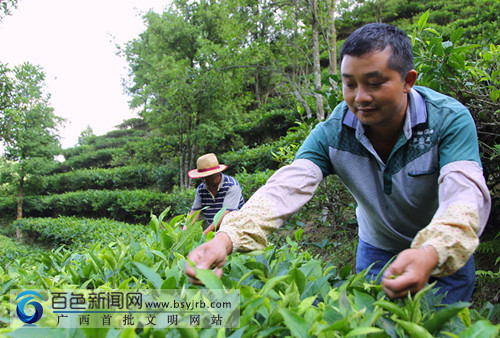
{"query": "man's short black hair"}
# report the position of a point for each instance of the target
(376, 37)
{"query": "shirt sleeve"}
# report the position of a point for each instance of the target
(232, 198)
(197, 200)
(464, 207)
(284, 194)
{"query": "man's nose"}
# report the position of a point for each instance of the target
(362, 95)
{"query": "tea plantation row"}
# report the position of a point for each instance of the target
(121, 205)
(284, 290)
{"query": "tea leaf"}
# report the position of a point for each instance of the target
(150, 275)
(439, 318)
(415, 330)
(297, 325)
(362, 331)
(480, 329)
(208, 278)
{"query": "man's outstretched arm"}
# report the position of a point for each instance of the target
(247, 229)
(447, 243)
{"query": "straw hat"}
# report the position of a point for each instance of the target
(206, 165)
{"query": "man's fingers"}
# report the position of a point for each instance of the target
(210, 255)
(395, 294)
(409, 272)
(189, 270)
(398, 280)
(218, 272)
(398, 266)
(397, 287)
(197, 257)
(392, 272)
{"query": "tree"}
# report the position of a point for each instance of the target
(6, 7)
(289, 46)
(28, 127)
(320, 111)
(178, 81)
(86, 135)
(5, 92)
(330, 32)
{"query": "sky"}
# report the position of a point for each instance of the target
(75, 42)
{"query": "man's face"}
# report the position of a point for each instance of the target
(212, 181)
(375, 93)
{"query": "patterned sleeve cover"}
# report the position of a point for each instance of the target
(464, 198)
(464, 204)
(283, 195)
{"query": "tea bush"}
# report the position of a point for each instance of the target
(251, 160)
(129, 177)
(271, 125)
(284, 290)
(268, 156)
(251, 182)
(77, 231)
(121, 205)
(101, 158)
(10, 250)
(469, 73)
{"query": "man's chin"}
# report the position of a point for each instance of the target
(368, 117)
(369, 121)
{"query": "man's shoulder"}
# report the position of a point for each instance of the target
(434, 99)
(200, 187)
(444, 110)
(337, 114)
(229, 180)
(330, 128)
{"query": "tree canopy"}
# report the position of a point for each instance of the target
(28, 126)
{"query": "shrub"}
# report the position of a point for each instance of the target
(8, 207)
(250, 183)
(11, 250)
(129, 177)
(93, 159)
(469, 73)
(133, 206)
(77, 231)
(251, 160)
(271, 125)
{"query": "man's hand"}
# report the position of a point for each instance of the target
(410, 271)
(210, 255)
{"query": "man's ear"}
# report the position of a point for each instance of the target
(410, 79)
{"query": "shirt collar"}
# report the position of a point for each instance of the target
(416, 113)
(220, 184)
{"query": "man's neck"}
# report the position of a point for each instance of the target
(214, 188)
(384, 137)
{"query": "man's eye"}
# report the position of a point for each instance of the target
(376, 84)
(349, 85)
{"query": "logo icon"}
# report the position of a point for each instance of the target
(422, 139)
(26, 301)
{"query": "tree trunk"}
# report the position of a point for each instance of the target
(320, 112)
(379, 10)
(19, 207)
(182, 174)
(299, 97)
(332, 40)
(257, 89)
